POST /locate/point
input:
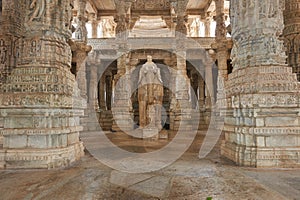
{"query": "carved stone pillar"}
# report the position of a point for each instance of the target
(11, 30)
(108, 90)
(122, 107)
(94, 64)
(221, 48)
(201, 99)
(201, 103)
(91, 113)
(182, 108)
(95, 24)
(101, 92)
(194, 88)
(171, 62)
(221, 39)
(291, 35)
(207, 23)
(80, 52)
(12, 27)
(40, 101)
(80, 30)
(209, 91)
(262, 116)
(170, 23)
(80, 49)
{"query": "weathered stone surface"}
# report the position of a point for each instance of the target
(261, 90)
(39, 101)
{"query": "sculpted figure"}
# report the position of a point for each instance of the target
(38, 7)
(81, 31)
(150, 95)
(3, 52)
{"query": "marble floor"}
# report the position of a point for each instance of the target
(187, 178)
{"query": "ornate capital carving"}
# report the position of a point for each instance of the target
(80, 51)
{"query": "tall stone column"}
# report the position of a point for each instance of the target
(81, 74)
(108, 89)
(12, 27)
(209, 92)
(91, 113)
(221, 47)
(95, 24)
(80, 48)
(262, 116)
(201, 99)
(11, 30)
(182, 110)
(80, 52)
(201, 103)
(291, 35)
(207, 23)
(169, 20)
(121, 107)
(93, 97)
(171, 62)
(40, 100)
(209, 89)
(101, 92)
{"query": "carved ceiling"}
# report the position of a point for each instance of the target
(148, 7)
(149, 17)
(110, 5)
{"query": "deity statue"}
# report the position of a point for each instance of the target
(150, 95)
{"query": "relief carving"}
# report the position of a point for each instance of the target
(81, 31)
(3, 53)
(151, 5)
(37, 8)
(35, 48)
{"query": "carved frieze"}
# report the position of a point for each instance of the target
(3, 54)
(151, 5)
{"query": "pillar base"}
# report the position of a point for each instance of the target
(40, 158)
(260, 157)
(262, 119)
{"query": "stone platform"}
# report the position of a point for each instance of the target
(188, 178)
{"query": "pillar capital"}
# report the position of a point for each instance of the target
(80, 51)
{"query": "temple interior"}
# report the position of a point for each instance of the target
(159, 99)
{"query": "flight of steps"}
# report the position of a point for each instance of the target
(106, 120)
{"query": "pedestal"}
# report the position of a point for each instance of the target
(262, 122)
